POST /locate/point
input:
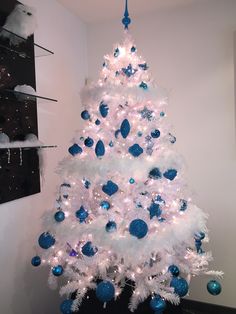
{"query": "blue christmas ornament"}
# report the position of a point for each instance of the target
(81, 214)
(180, 286)
(138, 228)
(174, 270)
(103, 109)
(57, 270)
(75, 149)
(159, 199)
(170, 174)
(143, 66)
(66, 307)
(88, 142)
(131, 181)
(89, 250)
(100, 149)
(172, 138)
(155, 134)
(146, 114)
(86, 183)
(111, 226)
(154, 210)
(110, 188)
(162, 114)
(139, 133)
(117, 52)
(85, 115)
(214, 287)
(73, 253)
(105, 291)
(135, 150)
(105, 205)
(117, 132)
(36, 261)
(59, 216)
(133, 49)
(155, 174)
(183, 205)
(199, 235)
(158, 304)
(143, 86)
(46, 240)
(111, 144)
(97, 122)
(125, 128)
(129, 71)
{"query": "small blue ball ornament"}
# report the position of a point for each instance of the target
(158, 304)
(110, 188)
(170, 174)
(59, 216)
(81, 214)
(88, 142)
(180, 286)
(131, 181)
(138, 228)
(174, 270)
(66, 307)
(162, 114)
(111, 226)
(46, 240)
(105, 291)
(155, 133)
(133, 49)
(214, 287)
(75, 150)
(105, 205)
(97, 122)
(57, 270)
(85, 115)
(36, 261)
(135, 150)
(89, 250)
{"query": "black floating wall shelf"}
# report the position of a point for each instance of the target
(11, 95)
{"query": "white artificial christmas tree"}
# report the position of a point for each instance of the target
(123, 214)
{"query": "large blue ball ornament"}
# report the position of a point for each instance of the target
(85, 115)
(75, 150)
(170, 174)
(66, 306)
(46, 240)
(214, 287)
(89, 250)
(135, 150)
(174, 270)
(110, 188)
(138, 228)
(88, 142)
(100, 149)
(111, 226)
(180, 286)
(36, 261)
(105, 291)
(158, 304)
(57, 270)
(59, 216)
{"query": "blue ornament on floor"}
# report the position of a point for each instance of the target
(155, 134)
(103, 109)
(131, 181)
(85, 115)
(97, 122)
(138, 228)
(125, 128)
(89, 250)
(88, 142)
(46, 240)
(135, 150)
(154, 210)
(214, 287)
(155, 174)
(105, 205)
(75, 150)
(100, 149)
(66, 307)
(36, 261)
(158, 304)
(105, 291)
(116, 53)
(143, 66)
(81, 214)
(57, 270)
(174, 270)
(143, 86)
(170, 174)
(183, 205)
(110, 188)
(111, 226)
(180, 286)
(133, 49)
(59, 216)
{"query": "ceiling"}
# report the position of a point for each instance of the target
(93, 11)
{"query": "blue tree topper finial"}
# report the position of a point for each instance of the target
(126, 20)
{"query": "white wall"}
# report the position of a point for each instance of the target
(22, 288)
(190, 51)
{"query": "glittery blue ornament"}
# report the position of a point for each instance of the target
(75, 149)
(59, 216)
(117, 52)
(183, 205)
(143, 86)
(125, 128)
(129, 71)
(146, 114)
(105, 205)
(180, 286)
(143, 66)
(133, 49)
(89, 250)
(86, 183)
(46, 240)
(158, 304)
(155, 134)
(57, 270)
(110, 188)
(85, 115)
(81, 214)
(103, 109)
(100, 149)
(97, 122)
(154, 210)
(138, 228)
(174, 270)
(66, 307)
(135, 150)
(214, 287)
(155, 174)
(170, 174)
(36, 261)
(88, 142)
(162, 114)
(111, 226)
(105, 291)
(131, 181)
